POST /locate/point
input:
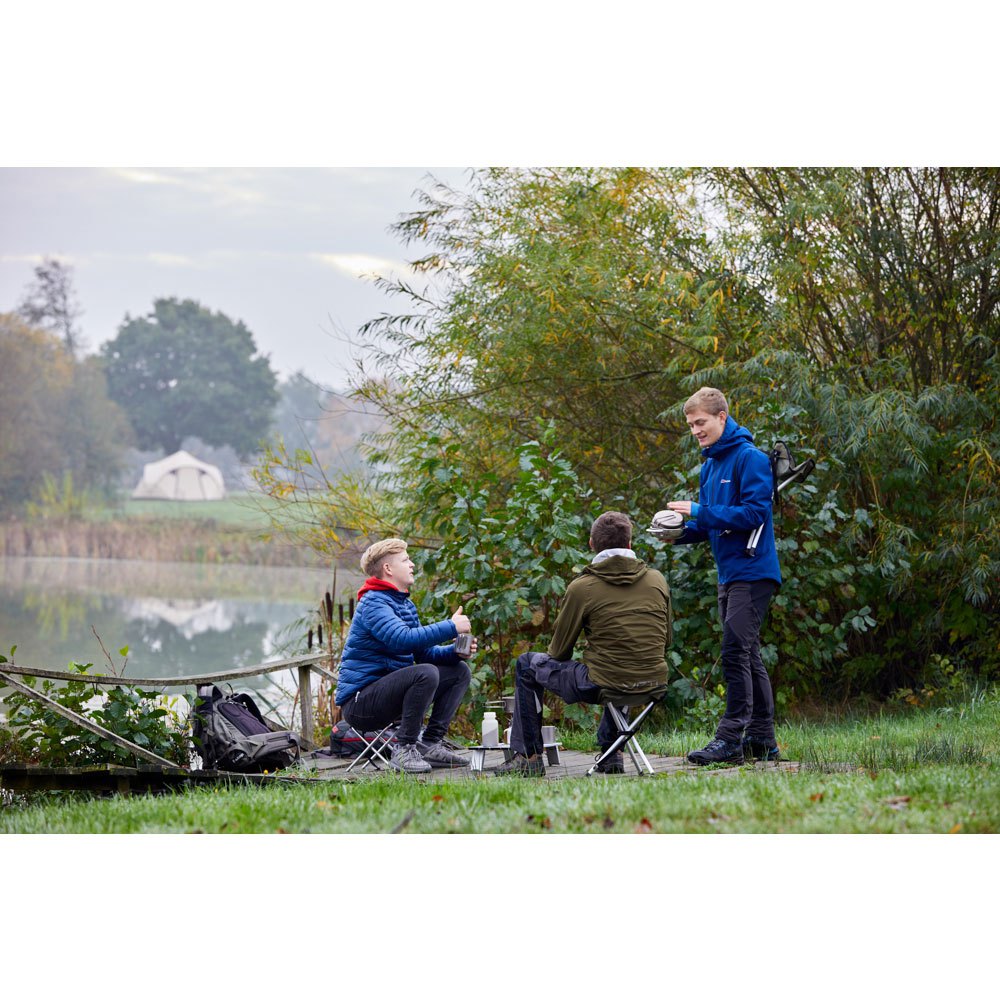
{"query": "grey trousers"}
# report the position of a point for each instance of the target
(538, 672)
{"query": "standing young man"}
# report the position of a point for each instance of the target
(734, 498)
(394, 668)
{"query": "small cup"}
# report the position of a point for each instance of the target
(463, 644)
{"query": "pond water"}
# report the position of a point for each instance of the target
(176, 618)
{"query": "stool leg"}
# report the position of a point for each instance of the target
(629, 743)
(626, 739)
(373, 749)
(638, 750)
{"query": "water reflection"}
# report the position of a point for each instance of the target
(176, 618)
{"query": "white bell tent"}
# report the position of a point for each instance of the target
(180, 476)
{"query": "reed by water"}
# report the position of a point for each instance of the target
(152, 540)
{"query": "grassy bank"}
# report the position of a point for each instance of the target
(929, 771)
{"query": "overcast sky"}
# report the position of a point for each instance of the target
(284, 250)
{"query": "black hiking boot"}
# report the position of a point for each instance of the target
(525, 767)
(615, 764)
(718, 752)
(760, 749)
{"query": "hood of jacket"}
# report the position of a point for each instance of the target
(621, 571)
(732, 436)
(376, 583)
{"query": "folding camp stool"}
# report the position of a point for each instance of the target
(613, 702)
(374, 749)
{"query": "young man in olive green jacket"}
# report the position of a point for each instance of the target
(622, 607)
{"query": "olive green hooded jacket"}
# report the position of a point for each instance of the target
(622, 606)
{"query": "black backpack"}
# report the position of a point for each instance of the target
(231, 735)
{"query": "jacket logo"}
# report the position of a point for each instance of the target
(724, 481)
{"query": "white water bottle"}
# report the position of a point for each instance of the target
(491, 730)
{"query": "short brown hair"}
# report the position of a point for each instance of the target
(612, 530)
(708, 400)
(373, 557)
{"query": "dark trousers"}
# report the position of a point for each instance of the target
(538, 672)
(749, 700)
(406, 694)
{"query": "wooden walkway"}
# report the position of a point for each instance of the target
(105, 778)
(573, 764)
(112, 778)
(159, 774)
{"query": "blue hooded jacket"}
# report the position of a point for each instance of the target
(735, 496)
(386, 635)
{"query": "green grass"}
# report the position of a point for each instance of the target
(964, 733)
(934, 799)
(930, 771)
(237, 510)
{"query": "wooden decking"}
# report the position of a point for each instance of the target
(573, 764)
(115, 779)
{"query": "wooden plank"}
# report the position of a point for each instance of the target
(111, 777)
(80, 720)
(162, 682)
(328, 674)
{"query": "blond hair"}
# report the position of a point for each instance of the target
(373, 557)
(708, 400)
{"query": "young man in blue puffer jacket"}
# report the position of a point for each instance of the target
(394, 668)
(734, 498)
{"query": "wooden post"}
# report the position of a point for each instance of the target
(305, 703)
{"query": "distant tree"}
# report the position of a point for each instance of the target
(186, 371)
(51, 303)
(95, 431)
(299, 409)
(55, 416)
(316, 419)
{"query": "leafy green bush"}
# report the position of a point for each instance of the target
(909, 499)
(42, 736)
(55, 501)
(12, 750)
(509, 551)
(853, 313)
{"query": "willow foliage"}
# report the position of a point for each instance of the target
(852, 313)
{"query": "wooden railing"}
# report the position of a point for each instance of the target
(304, 664)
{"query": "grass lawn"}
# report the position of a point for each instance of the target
(922, 771)
(237, 510)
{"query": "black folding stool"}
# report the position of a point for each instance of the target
(613, 702)
(374, 749)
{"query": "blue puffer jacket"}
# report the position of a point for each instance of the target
(735, 496)
(386, 635)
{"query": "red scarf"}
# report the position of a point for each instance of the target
(375, 583)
